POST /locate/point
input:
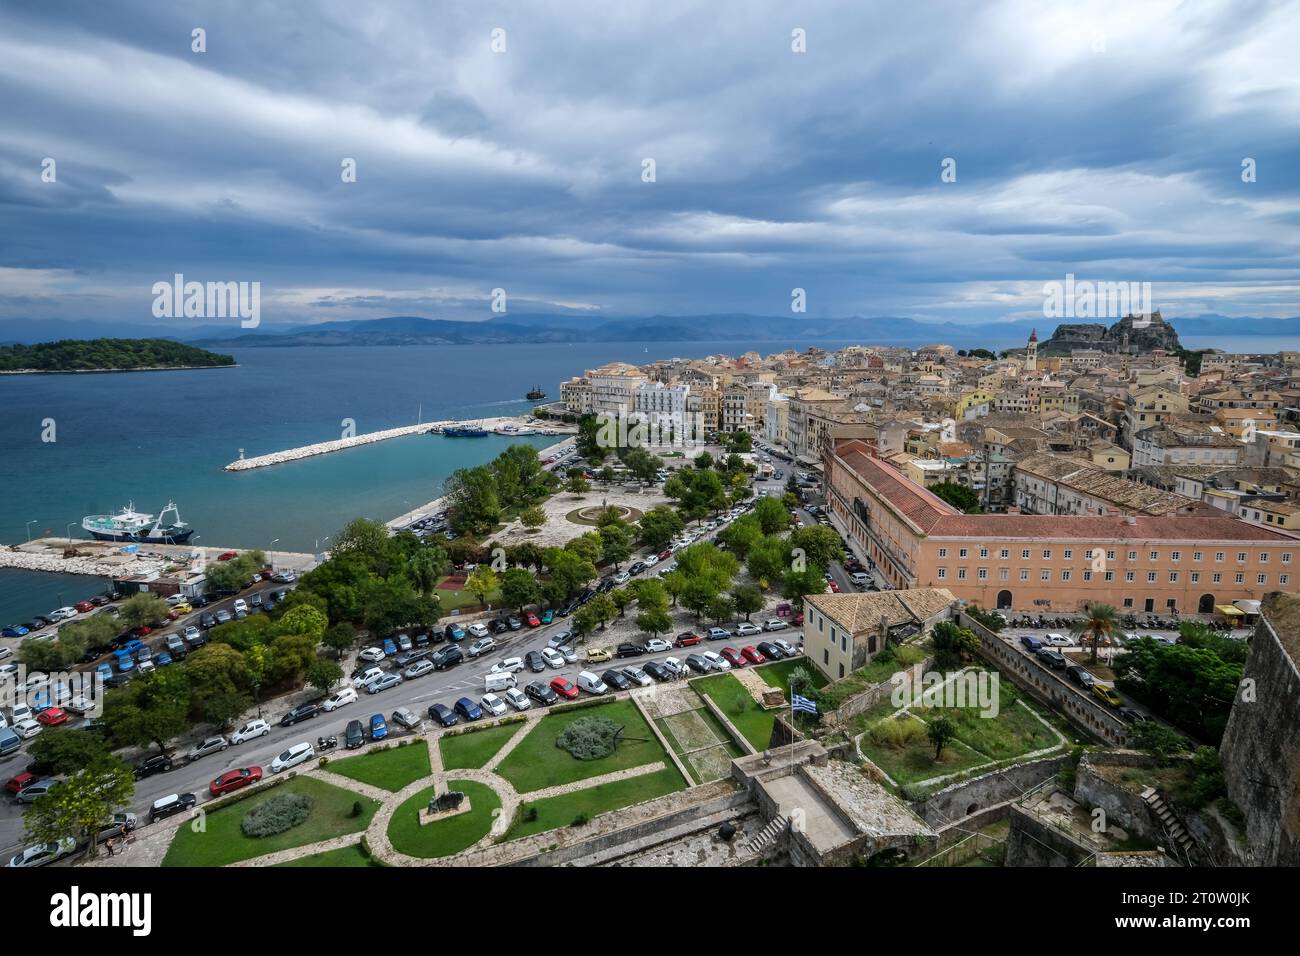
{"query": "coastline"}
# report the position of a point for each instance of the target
(97, 371)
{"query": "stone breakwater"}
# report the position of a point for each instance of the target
(324, 447)
(96, 567)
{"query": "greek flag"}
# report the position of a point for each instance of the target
(803, 705)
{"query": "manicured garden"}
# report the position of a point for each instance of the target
(334, 812)
(471, 749)
(389, 768)
(536, 762)
(446, 836)
(583, 805)
(745, 713)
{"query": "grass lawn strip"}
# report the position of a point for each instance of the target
(471, 750)
(222, 842)
(562, 810)
(390, 769)
(745, 713)
(448, 836)
(536, 763)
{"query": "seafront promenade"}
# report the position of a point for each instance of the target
(500, 425)
(108, 560)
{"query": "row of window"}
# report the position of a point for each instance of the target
(1045, 574)
(1068, 555)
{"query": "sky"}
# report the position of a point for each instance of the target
(505, 146)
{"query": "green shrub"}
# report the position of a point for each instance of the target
(357, 809)
(282, 812)
(896, 734)
(580, 819)
(530, 814)
(589, 738)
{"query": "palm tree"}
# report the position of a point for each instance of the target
(1099, 623)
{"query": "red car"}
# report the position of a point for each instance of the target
(20, 782)
(84, 607)
(798, 620)
(227, 555)
(733, 657)
(665, 554)
(532, 620)
(52, 717)
(752, 655)
(835, 588)
(233, 780)
(564, 688)
(688, 639)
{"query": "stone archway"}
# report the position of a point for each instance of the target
(1004, 600)
(1206, 604)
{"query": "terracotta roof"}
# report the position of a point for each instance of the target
(923, 508)
(861, 612)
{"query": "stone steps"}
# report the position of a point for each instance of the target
(775, 827)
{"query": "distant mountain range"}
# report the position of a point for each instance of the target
(540, 327)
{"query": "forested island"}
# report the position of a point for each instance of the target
(107, 355)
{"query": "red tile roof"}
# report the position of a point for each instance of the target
(1102, 528)
(923, 508)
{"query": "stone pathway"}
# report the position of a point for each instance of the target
(298, 852)
(347, 783)
(590, 782)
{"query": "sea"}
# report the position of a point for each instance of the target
(151, 437)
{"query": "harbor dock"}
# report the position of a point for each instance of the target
(507, 425)
(106, 559)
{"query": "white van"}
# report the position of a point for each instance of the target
(860, 578)
(592, 684)
(493, 683)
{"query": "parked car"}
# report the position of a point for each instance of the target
(170, 805)
(387, 682)
(1053, 659)
(453, 632)
(405, 718)
(233, 780)
(656, 645)
(250, 730)
(719, 634)
(598, 655)
(1031, 643)
(1106, 694)
(631, 649)
(636, 676)
(1057, 640)
(698, 663)
(733, 657)
(478, 630)
(535, 662)
(26, 728)
(443, 715)
(482, 646)
(564, 688)
(468, 710)
(552, 657)
(787, 649)
(297, 754)
(378, 727)
(492, 705)
(769, 650)
(39, 854)
(658, 671)
(509, 665)
(716, 661)
(516, 698)
(209, 745)
(372, 655)
(541, 693)
(52, 717)
(300, 713)
(40, 788)
(390, 648)
(532, 619)
(354, 735)
(687, 639)
(615, 679)
(559, 639)
(1080, 675)
(418, 669)
(448, 656)
(746, 629)
(514, 623)
(340, 698)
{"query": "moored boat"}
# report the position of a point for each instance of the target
(132, 525)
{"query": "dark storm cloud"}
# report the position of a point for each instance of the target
(1099, 138)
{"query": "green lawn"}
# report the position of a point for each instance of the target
(391, 769)
(741, 709)
(444, 837)
(537, 763)
(778, 674)
(221, 841)
(561, 811)
(1014, 731)
(347, 856)
(471, 750)
(915, 762)
(452, 600)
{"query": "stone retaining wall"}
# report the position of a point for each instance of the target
(962, 800)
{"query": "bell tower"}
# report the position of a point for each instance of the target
(1031, 352)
